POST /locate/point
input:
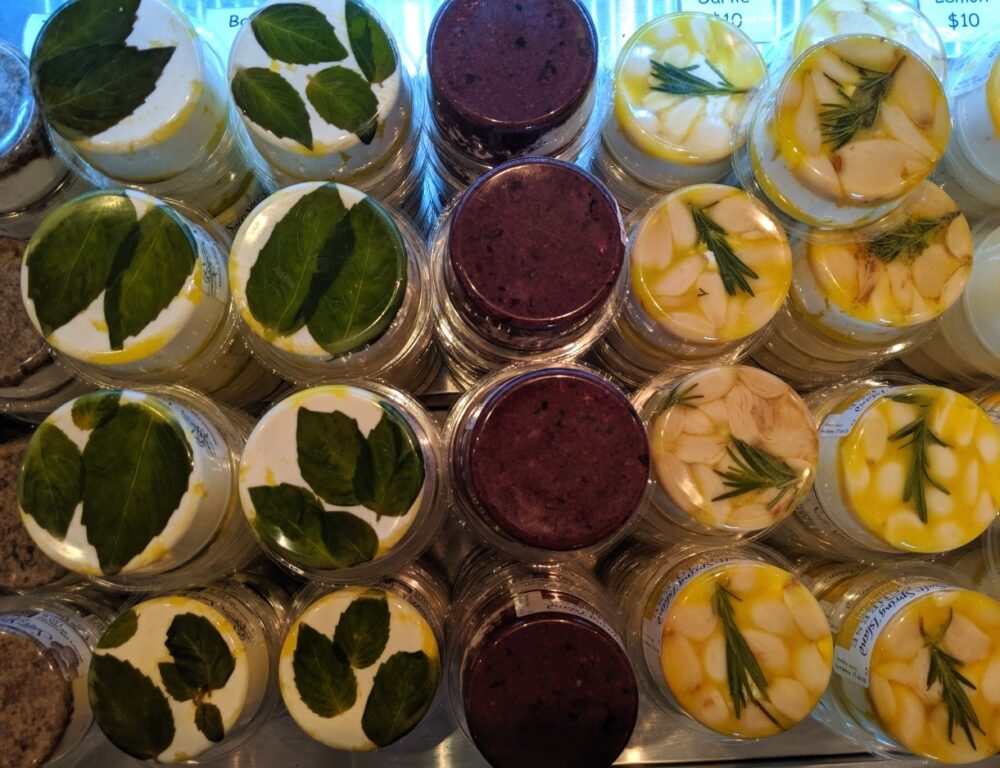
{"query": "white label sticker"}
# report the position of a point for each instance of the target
(839, 424)
(213, 264)
(960, 20)
(246, 624)
(205, 435)
(756, 18)
(223, 24)
(546, 602)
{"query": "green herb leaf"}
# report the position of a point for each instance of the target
(299, 248)
(917, 436)
(344, 98)
(92, 410)
(369, 42)
(363, 629)
(51, 480)
(732, 270)
(908, 240)
(296, 33)
(174, 683)
(390, 474)
(323, 676)
(200, 652)
(208, 720)
(403, 689)
(755, 469)
(681, 396)
(680, 82)
(85, 23)
(120, 631)
(86, 91)
(136, 468)
(129, 707)
(944, 668)
(839, 123)
(144, 280)
(328, 447)
(270, 101)
(70, 265)
(363, 299)
(349, 539)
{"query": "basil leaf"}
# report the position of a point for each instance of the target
(390, 474)
(349, 539)
(296, 251)
(270, 101)
(296, 33)
(208, 720)
(51, 480)
(136, 468)
(328, 445)
(200, 652)
(365, 296)
(120, 631)
(88, 90)
(363, 629)
(369, 42)
(144, 280)
(343, 98)
(130, 709)
(401, 694)
(323, 676)
(69, 266)
(84, 23)
(92, 410)
(175, 685)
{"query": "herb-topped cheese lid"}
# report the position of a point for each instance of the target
(336, 476)
(860, 120)
(320, 86)
(122, 482)
(680, 84)
(319, 271)
(121, 281)
(919, 469)
(897, 274)
(171, 677)
(733, 447)
(892, 19)
(709, 264)
(359, 668)
(745, 649)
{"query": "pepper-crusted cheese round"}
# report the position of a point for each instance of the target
(710, 265)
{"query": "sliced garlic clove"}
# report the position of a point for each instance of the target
(770, 651)
(683, 231)
(791, 698)
(679, 279)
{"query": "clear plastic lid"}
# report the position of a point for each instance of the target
(973, 159)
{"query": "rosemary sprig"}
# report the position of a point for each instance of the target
(743, 672)
(918, 436)
(840, 122)
(681, 396)
(680, 82)
(944, 669)
(756, 469)
(908, 240)
(732, 270)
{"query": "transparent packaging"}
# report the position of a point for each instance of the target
(861, 297)
(891, 626)
(517, 277)
(371, 451)
(178, 453)
(214, 703)
(547, 464)
(377, 636)
(709, 267)
(537, 651)
(284, 306)
(904, 468)
(733, 448)
(681, 83)
(683, 647)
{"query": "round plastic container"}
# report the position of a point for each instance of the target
(508, 80)
(129, 289)
(361, 666)
(703, 624)
(903, 468)
(186, 677)
(137, 490)
(976, 563)
(734, 450)
(681, 83)
(329, 284)
(827, 160)
(528, 267)
(344, 482)
(861, 297)
(709, 267)
(915, 658)
(47, 643)
(538, 675)
(547, 464)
